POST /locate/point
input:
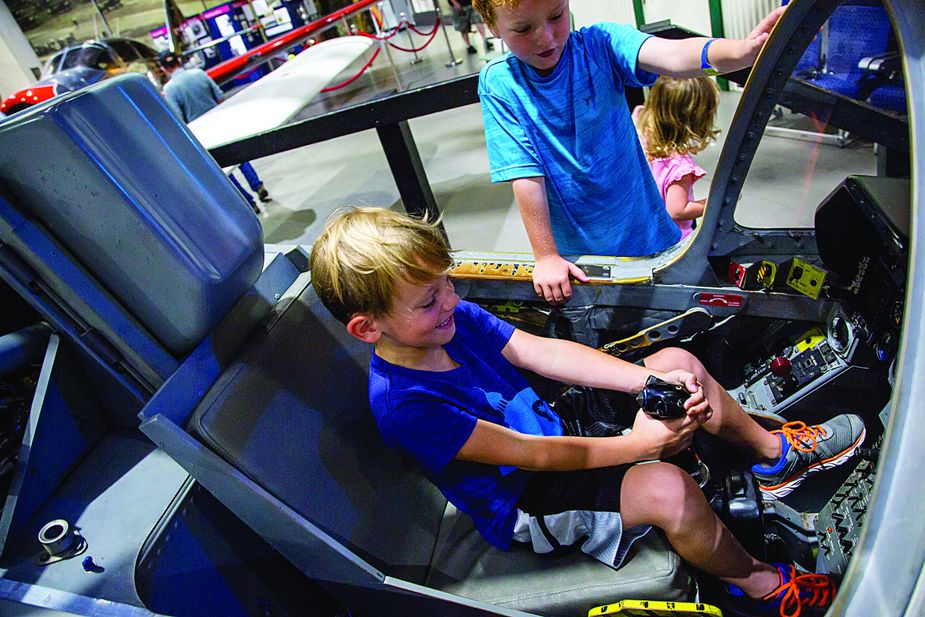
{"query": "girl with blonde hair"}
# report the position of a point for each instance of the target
(676, 123)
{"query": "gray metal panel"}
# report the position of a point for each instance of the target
(658, 297)
(309, 548)
(114, 498)
(65, 294)
(22, 600)
(64, 424)
(11, 608)
(160, 227)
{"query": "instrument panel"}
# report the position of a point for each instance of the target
(775, 382)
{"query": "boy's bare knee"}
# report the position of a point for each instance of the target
(659, 493)
(672, 358)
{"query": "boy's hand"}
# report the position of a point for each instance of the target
(752, 44)
(660, 439)
(551, 278)
(697, 405)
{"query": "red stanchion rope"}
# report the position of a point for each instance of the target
(432, 34)
(380, 37)
(411, 25)
(395, 31)
(355, 77)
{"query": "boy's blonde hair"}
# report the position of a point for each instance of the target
(362, 254)
(486, 8)
(678, 116)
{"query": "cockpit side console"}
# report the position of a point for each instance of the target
(862, 231)
(844, 363)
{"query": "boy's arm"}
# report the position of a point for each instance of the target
(681, 58)
(650, 439)
(679, 207)
(551, 272)
(572, 363)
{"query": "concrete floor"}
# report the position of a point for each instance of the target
(788, 179)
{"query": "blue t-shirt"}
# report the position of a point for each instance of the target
(432, 414)
(574, 128)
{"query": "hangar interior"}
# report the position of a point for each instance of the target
(190, 418)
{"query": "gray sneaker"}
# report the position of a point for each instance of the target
(808, 449)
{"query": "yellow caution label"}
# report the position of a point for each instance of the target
(809, 340)
(765, 272)
(656, 608)
(805, 278)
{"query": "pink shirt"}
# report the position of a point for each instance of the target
(671, 170)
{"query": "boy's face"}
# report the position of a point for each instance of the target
(536, 31)
(421, 316)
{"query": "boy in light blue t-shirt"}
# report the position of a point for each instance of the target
(558, 128)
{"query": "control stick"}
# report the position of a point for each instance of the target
(662, 400)
(665, 401)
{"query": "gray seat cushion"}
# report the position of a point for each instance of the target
(562, 585)
(292, 413)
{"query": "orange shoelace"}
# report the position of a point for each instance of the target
(818, 591)
(799, 435)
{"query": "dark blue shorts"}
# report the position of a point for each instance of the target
(585, 412)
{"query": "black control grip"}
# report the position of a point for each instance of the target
(662, 400)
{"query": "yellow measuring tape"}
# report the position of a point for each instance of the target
(656, 608)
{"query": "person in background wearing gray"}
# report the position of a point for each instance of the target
(191, 93)
(463, 19)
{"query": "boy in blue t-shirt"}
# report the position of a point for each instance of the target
(444, 386)
(558, 128)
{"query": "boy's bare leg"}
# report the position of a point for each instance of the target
(729, 421)
(665, 496)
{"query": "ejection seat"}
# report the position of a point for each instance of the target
(264, 401)
(854, 32)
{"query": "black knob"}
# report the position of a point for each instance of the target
(662, 400)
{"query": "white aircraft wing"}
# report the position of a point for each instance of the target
(274, 99)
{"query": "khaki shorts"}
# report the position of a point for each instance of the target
(464, 17)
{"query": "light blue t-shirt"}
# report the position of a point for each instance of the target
(191, 93)
(431, 415)
(574, 128)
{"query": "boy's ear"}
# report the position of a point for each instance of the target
(364, 327)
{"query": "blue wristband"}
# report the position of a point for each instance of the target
(705, 63)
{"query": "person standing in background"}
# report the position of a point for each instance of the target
(191, 93)
(676, 123)
(463, 18)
